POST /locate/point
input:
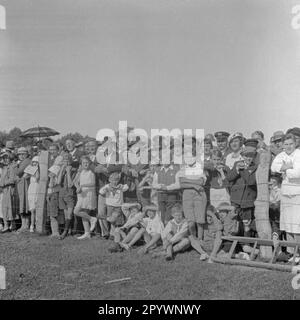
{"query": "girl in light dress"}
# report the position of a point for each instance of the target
(32, 171)
(1, 195)
(86, 204)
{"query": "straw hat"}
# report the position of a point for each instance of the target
(238, 135)
(278, 135)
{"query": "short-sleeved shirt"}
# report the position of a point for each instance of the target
(154, 225)
(115, 198)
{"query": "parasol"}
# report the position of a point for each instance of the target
(39, 132)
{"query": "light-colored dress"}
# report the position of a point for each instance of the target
(290, 191)
(10, 199)
(32, 192)
(87, 198)
(1, 196)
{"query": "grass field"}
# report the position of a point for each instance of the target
(43, 268)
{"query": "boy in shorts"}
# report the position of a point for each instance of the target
(175, 234)
(67, 192)
(52, 200)
(209, 246)
(113, 193)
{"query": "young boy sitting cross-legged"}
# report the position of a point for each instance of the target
(175, 235)
(124, 234)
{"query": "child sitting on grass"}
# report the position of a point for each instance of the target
(124, 235)
(113, 192)
(175, 235)
(274, 215)
(153, 229)
(209, 246)
(231, 227)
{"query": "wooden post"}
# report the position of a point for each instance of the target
(41, 213)
(261, 213)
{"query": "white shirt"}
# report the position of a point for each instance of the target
(291, 182)
(232, 158)
(193, 172)
(154, 225)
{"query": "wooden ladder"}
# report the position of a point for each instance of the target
(272, 265)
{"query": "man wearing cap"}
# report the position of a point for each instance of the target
(276, 143)
(222, 143)
(244, 189)
(236, 142)
(22, 187)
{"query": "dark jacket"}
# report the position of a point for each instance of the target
(243, 186)
(76, 158)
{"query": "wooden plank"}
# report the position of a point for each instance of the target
(233, 246)
(274, 256)
(253, 251)
(294, 256)
(261, 212)
(256, 264)
(41, 213)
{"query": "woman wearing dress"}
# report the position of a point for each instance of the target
(288, 163)
(33, 174)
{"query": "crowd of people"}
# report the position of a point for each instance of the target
(163, 209)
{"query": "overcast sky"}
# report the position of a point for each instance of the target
(81, 65)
